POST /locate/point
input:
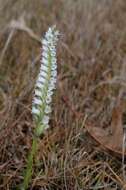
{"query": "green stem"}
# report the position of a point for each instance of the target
(29, 169)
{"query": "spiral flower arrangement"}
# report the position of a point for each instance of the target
(46, 81)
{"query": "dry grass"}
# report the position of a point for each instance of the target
(91, 50)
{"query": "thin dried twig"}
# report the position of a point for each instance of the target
(6, 45)
(21, 25)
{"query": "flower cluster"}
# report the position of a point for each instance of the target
(46, 81)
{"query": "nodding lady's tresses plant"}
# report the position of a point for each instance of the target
(44, 88)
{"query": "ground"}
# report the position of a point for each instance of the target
(91, 73)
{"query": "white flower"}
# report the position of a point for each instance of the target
(37, 101)
(38, 93)
(41, 79)
(48, 99)
(46, 81)
(45, 43)
(45, 55)
(35, 111)
(45, 120)
(42, 74)
(44, 61)
(39, 84)
(48, 109)
(44, 68)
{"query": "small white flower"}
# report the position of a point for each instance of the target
(45, 43)
(35, 111)
(38, 93)
(54, 67)
(41, 79)
(37, 101)
(48, 109)
(54, 73)
(39, 84)
(43, 74)
(48, 99)
(44, 68)
(45, 48)
(53, 53)
(45, 120)
(50, 92)
(44, 61)
(54, 61)
(53, 80)
(45, 54)
(51, 86)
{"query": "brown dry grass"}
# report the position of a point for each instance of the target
(91, 50)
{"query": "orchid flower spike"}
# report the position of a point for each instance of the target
(46, 82)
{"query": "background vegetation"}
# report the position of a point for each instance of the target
(91, 50)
